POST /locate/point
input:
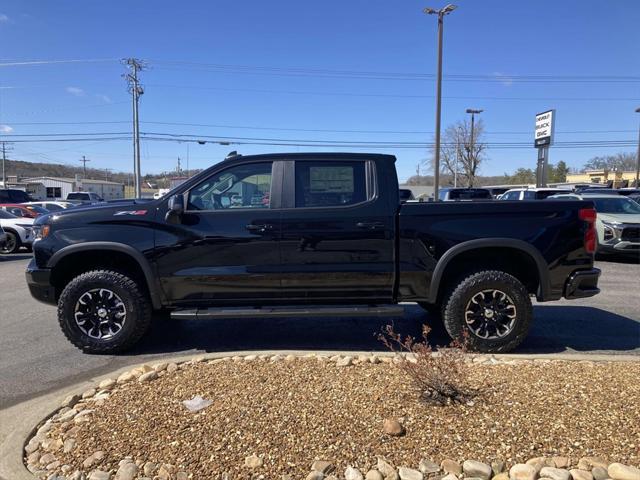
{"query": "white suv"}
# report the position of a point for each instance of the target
(18, 231)
(532, 193)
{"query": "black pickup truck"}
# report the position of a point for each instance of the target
(315, 229)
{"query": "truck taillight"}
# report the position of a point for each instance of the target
(590, 236)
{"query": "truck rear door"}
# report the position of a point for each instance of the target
(337, 232)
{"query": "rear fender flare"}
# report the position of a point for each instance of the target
(527, 248)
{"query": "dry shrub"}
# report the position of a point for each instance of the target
(441, 376)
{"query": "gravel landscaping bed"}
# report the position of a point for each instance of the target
(270, 417)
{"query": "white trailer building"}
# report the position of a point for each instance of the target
(57, 188)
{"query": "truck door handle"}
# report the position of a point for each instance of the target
(259, 228)
(370, 225)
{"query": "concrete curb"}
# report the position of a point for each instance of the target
(18, 423)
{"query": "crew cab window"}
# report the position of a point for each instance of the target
(330, 184)
(242, 186)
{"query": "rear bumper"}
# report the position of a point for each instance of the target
(620, 247)
(38, 280)
(582, 284)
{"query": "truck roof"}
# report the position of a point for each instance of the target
(328, 156)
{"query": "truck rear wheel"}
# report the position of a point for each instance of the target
(490, 311)
(103, 311)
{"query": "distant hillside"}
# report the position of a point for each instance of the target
(34, 169)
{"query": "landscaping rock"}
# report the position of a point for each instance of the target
(46, 459)
(127, 471)
(344, 361)
(449, 476)
(392, 427)
(322, 466)
(92, 459)
(385, 467)
(99, 475)
(182, 476)
(160, 367)
(599, 473)
(579, 474)
(618, 471)
(352, 473)
(172, 367)
(561, 462)
(125, 377)
(315, 475)
(70, 400)
(427, 466)
(473, 468)
(555, 473)
(148, 376)
(69, 445)
(149, 468)
(497, 466)
(522, 471)
(587, 463)
(374, 475)
(107, 384)
(88, 393)
(409, 474)
(451, 466)
(253, 461)
(501, 476)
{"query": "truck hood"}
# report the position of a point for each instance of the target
(104, 212)
(619, 217)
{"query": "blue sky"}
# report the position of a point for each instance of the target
(580, 38)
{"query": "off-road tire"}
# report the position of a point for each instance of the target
(458, 296)
(14, 238)
(138, 308)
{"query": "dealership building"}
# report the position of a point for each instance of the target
(57, 188)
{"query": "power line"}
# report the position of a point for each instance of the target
(292, 129)
(56, 62)
(297, 71)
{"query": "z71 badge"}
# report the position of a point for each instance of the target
(131, 212)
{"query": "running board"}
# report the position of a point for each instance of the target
(361, 311)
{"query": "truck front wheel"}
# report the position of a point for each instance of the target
(490, 311)
(103, 311)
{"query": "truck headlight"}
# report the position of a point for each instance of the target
(41, 231)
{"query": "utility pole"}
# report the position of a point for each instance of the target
(638, 157)
(441, 13)
(84, 161)
(4, 159)
(472, 154)
(106, 174)
(136, 90)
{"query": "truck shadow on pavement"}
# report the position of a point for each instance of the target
(555, 329)
(15, 256)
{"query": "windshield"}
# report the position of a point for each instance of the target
(78, 196)
(615, 205)
(469, 194)
(6, 215)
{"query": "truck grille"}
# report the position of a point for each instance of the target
(631, 234)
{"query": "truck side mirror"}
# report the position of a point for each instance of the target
(176, 209)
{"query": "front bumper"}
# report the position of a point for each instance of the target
(582, 284)
(38, 280)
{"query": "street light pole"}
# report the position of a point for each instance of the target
(471, 152)
(441, 13)
(638, 156)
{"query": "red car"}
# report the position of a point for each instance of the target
(27, 211)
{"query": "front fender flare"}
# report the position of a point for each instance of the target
(145, 266)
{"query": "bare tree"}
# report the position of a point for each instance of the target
(456, 147)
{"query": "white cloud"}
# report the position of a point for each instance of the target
(505, 80)
(5, 129)
(104, 98)
(4, 18)
(78, 92)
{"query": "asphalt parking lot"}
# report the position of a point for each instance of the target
(35, 357)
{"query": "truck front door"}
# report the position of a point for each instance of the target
(225, 248)
(337, 233)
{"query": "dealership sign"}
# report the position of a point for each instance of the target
(545, 123)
